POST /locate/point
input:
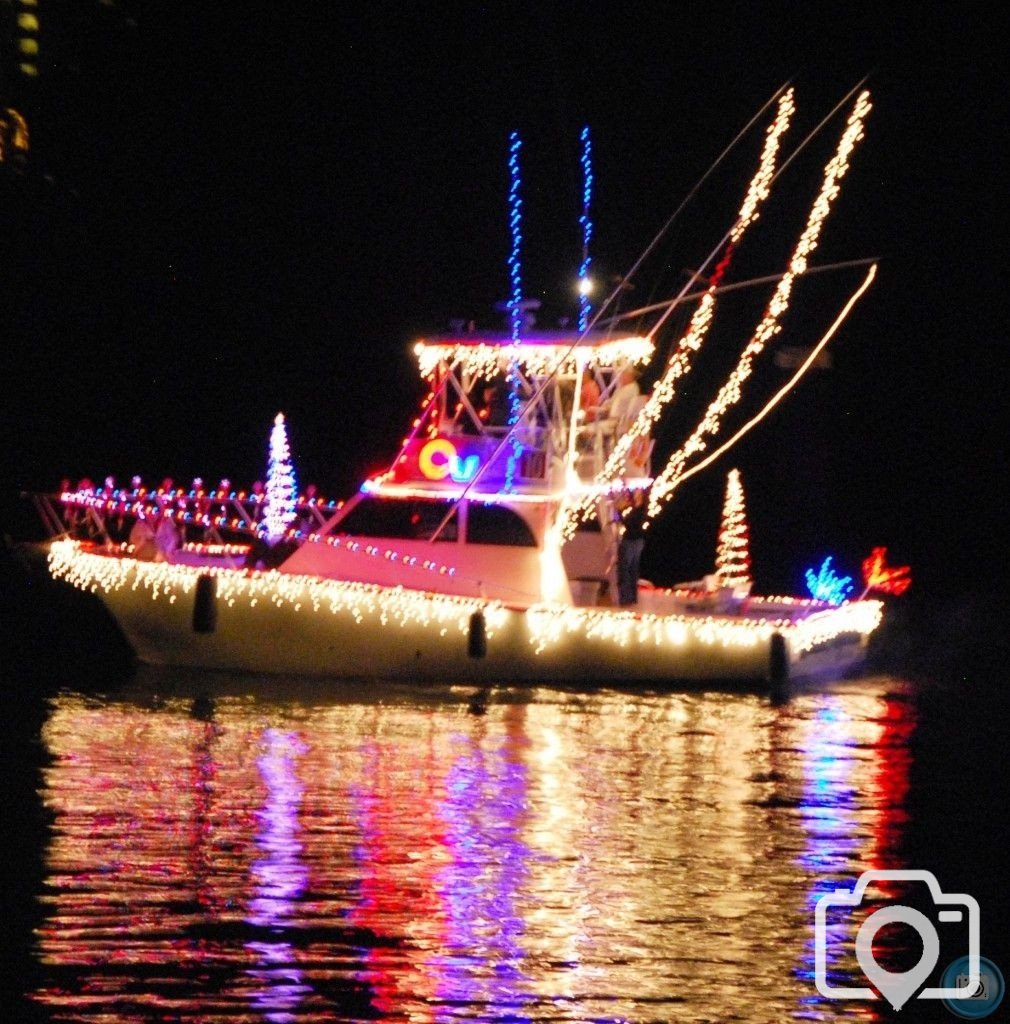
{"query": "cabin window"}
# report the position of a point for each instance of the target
(406, 519)
(494, 524)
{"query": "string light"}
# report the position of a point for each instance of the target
(537, 356)
(515, 226)
(549, 625)
(805, 625)
(587, 229)
(679, 363)
(356, 546)
(515, 308)
(854, 618)
(732, 390)
(68, 560)
(215, 550)
(195, 508)
(732, 561)
(790, 384)
(877, 575)
(280, 509)
(827, 585)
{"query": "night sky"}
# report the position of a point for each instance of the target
(225, 217)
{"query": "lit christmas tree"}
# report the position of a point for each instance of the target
(279, 509)
(732, 560)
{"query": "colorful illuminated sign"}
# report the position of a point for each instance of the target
(878, 575)
(439, 459)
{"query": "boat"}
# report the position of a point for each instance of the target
(436, 570)
(485, 553)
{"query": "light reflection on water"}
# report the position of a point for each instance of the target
(600, 857)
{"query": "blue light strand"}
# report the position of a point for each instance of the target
(515, 224)
(587, 229)
(827, 585)
(515, 306)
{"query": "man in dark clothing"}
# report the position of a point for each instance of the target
(629, 549)
(498, 401)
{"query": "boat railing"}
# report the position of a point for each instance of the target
(595, 440)
(106, 515)
(538, 459)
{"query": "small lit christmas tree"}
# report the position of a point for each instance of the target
(732, 560)
(279, 509)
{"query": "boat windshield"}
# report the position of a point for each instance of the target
(406, 519)
(419, 518)
(494, 524)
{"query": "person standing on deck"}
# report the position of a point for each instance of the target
(629, 549)
(625, 403)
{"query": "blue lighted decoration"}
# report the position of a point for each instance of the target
(827, 585)
(515, 224)
(587, 229)
(515, 306)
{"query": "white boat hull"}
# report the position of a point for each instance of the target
(277, 623)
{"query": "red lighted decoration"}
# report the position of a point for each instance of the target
(878, 575)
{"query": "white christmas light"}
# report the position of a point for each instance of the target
(93, 572)
(550, 624)
(804, 623)
(679, 364)
(732, 562)
(732, 391)
(280, 509)
(536, 356)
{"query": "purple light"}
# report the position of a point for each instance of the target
(279, 877)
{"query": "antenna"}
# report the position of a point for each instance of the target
(527, 308)
(516, 311)
(585, 284)
(515, 225)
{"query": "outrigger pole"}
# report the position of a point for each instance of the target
(647, 412)
(739, 285)
(673, 303)
(790, 384)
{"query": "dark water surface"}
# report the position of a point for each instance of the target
(229, 850)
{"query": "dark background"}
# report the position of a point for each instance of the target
(228, 214)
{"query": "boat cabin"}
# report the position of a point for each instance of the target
(507, 432)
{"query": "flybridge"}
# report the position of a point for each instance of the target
(540, 353)
(566, 384)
